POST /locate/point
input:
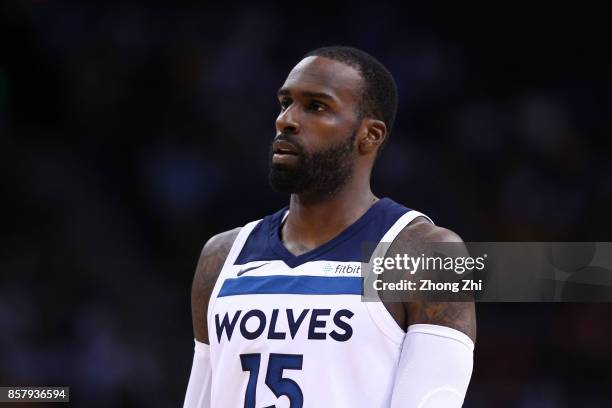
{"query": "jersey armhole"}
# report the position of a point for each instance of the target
(376, 309)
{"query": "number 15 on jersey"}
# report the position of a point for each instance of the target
(274, 377)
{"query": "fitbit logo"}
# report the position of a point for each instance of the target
(348, 269)
(353, 269)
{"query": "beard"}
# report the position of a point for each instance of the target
(318, 174)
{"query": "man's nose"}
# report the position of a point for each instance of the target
(286, 122)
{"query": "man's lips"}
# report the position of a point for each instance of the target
(282, 147)
(284, 153)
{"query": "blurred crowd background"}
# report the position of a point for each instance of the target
(132, 132)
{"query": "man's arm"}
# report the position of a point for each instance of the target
(211, 262)
(209, 266)
(437, 354)
(456, 315)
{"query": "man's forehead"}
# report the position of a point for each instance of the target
(324, 75)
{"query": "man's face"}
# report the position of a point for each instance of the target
(314, 148)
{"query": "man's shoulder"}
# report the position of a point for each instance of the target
(421, 230)
(422, 237)
(216, 249)
(211, 261)
(222, 240)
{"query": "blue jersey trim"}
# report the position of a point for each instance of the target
(351, 245)
(292, 285)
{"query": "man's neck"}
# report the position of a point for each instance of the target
(313, 223)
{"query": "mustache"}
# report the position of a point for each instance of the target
(289, 137)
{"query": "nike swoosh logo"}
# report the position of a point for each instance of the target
(240, 272)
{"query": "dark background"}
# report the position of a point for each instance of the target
(133, 132)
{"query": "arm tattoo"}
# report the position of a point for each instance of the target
(209, 266)
(456, 315)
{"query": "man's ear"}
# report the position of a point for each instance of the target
(373, 133)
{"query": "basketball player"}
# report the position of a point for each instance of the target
(277, 311)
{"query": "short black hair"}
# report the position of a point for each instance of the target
(379, 92)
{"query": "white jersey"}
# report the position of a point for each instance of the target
(292, 331)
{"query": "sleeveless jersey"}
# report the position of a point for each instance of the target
(291, 331)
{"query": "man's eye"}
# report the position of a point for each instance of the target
(285, 103)
(316, 106)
